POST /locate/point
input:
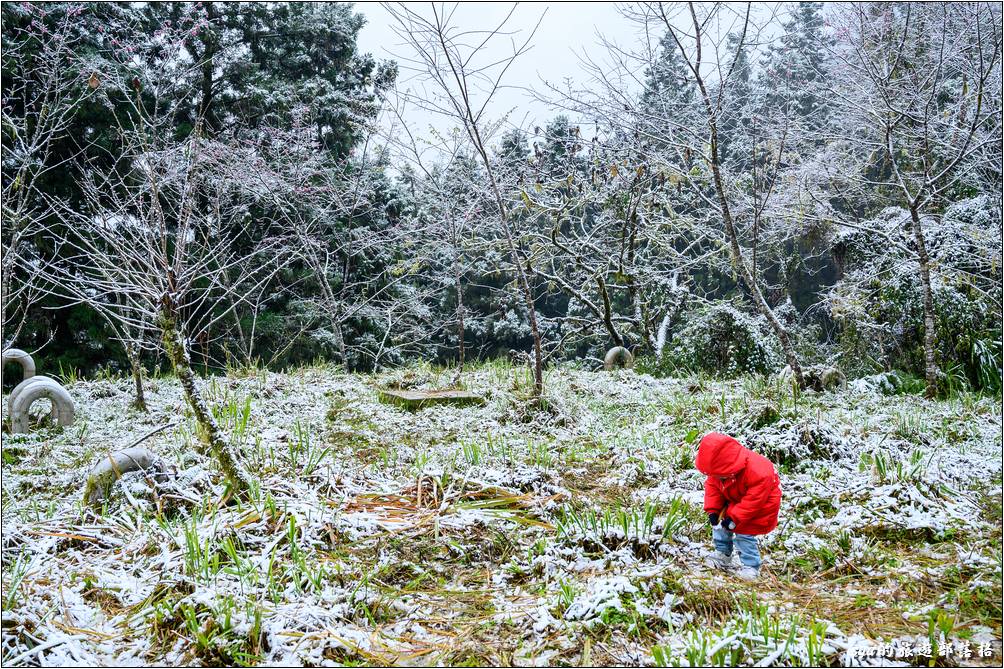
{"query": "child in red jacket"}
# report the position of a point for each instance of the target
(742, 496)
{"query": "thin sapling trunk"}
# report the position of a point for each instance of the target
(218, 446)
(136, 366)
(932, 374)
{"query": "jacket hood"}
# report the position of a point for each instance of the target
(720, 455)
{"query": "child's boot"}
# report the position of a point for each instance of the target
(749, 573)
(720, 560)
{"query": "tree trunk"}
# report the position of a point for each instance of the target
(660, 338)
(932, 374)
(608, 322)
(524, 283)
(219, 447)
(737, 258)
(342, 352)
(460, 317)
(716, 173)
(137, 375)
(636, 293)
(538, 355)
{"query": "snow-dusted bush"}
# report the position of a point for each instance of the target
(889, 383)
(791, 442)
(724, 341)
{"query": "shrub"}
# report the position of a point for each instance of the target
(723, 341)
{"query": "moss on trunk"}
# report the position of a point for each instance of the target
(216, 442)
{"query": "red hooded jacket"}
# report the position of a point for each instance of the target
(740, 482)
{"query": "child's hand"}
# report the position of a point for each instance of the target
(728, 523)
(713, 519)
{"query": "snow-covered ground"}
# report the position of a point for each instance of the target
(509, 533)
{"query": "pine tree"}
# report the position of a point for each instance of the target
(794, 76)
(262, 60)
(668, 82)
(738, 126)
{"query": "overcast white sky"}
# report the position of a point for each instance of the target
(566, 30)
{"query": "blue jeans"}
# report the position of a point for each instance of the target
(749, 552)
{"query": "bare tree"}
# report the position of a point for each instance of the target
(447, 203)
(157, 253)
(354, 257)
(675, 134)
(448, 58)
(605, 238)
(43, 86)
(163, 247)
(703, 52)
(918, 86)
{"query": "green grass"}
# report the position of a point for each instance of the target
(473, 556)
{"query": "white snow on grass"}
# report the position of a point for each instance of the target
(449, 535)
